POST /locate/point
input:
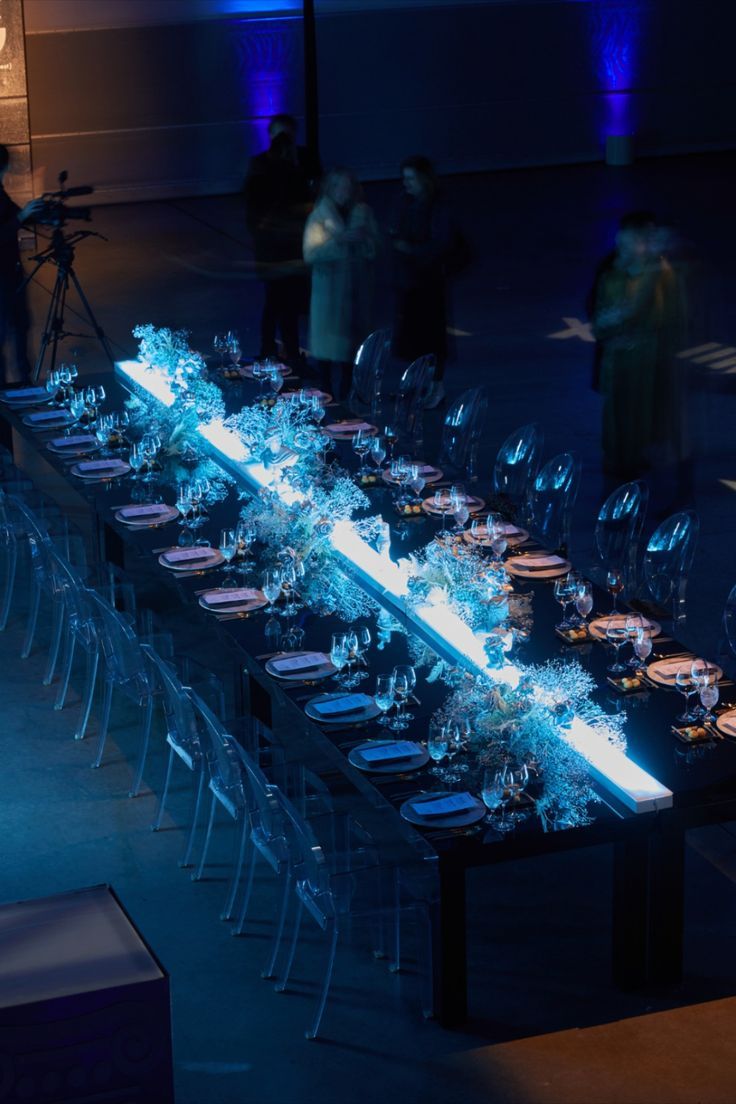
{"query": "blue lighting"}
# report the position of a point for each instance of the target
(617, 31)
(269, 59)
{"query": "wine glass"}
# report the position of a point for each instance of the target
(377, 451)
(616, 635)
(391, 437)
(437, 747)
(77, 405)
(704, 674)
(634, 622)
(614, 585)
(405, 679)
(495, 796)
(515, 779)
(339, 655)
(480, 529)
(441, 503)
(460, 513)
(288, 584)
(709, 695)
(271, 587)
(137, 459)
(275, 379)
(685, 683)
(228, 547)
(362, 644)
(232, 347)
(245, 533)
(584, 599)
(361, 445)
(496, 530)
(219, 344)
(564, 592)
(52, 384)
(384, 696)
(642, 648)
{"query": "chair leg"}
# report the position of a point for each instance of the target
(32, 620)
(56, 631)
(93, 660)
(251, 861)
(196, 876)
(145, 741)
(104, 723)
(267, 972)
(312, 1032)
(70, 644)
(187, 858)
(164, 793)
(240, 840)
(11, 564)
(283, 979)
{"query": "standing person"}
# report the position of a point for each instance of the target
(627, 320)
(340, 245)
(14, 320)
(423, 242)
(278, 196)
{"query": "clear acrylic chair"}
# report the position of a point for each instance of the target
(516, 466)
(667, 561)
(552, 500)
(183, 739)
(727, 648)
(80, 634)
(464, 424)
(368, 371)
(618, 529)
(411, 399)
(125, 669)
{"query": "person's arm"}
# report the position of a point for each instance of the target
(322, 243)
(13, 217)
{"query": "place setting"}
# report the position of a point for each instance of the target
(538, 565)
(148, 515)
(201, 557)
(231, 601)
(394, 757)
(26, 396)
(347, 428)
(75, 445)
(484, 536)
(450, 501)
(49, 419)
(342, 708)
(100, 471)
(300, 667)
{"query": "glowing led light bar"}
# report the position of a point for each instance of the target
(388, 582)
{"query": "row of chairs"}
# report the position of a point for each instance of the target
(325, 865)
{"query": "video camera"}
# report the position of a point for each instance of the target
(55, 211)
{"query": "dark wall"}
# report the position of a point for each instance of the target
(177, 109)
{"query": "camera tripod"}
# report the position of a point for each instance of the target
(61, 254)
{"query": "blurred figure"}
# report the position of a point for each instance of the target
(278, 196)
(340, 245)
(14, 319)
(424, 243)
(627, 318)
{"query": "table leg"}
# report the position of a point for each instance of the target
(450, 955)
(666, 905)
(630, 912)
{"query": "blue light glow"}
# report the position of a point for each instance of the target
(617, 33)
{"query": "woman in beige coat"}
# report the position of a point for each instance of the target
(340, 244)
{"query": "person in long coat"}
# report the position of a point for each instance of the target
(340, 246)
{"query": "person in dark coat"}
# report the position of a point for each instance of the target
(14, 320)
(278, 196)
(423, 237)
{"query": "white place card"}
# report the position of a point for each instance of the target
(50, 416)
(72, 442)
(26, 393)
(232, 597)
(337, 707)
(668, 668)
(349, 427)
(387, 753)
(144, 511)
(99, 465)
(539, 561)
(450, 805)
(307, 661)
(186, 555)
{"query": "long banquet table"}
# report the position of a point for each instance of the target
(645, 826)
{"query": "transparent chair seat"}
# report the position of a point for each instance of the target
(464, 424)
(368, 371)
(411, 398)
(516, 466)
(619, 526)
(552, 500)
(668, 559)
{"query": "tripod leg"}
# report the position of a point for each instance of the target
(54, 327)
(99, 332)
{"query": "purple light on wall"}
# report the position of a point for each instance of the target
(269, 70)
(617, 30)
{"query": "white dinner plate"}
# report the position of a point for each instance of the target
(26, 396)
(533, 566)
(233, 600)
(473, 503)
(79, 444)
(368, 713)
(313, 673)
(86, 469)
(246, 371)
(411, 811)
(49, 419)
(144, 517)
(345, 431)
(413, 762)
(599, 627)
(512, 533)
(664, 671)
(726, 723)
(429, 473)
(207, 557)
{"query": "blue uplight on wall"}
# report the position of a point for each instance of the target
(270, 68)
(617, 32)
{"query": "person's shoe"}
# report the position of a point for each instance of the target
(436, 396)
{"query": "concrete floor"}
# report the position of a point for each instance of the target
(547, 1026)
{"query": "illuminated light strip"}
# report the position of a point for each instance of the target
(637, 789)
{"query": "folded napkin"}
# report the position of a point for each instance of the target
(50, 416)
(232, 597)
(668, 668)
(189, 555)
(99, 465)
(538, 563)
(72, 442)
(348, 427)
(26, 393)
(152, 510)
(342, 706)
(307, 661)
(728, 724)
(388, 753)
(448, 805)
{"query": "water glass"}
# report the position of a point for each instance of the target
(384, 696)
(584, 599)
(271, 587)
(709, 696)
(228, 547)
(339, 655)
(437, 744)
(616, 635)
(685, 683)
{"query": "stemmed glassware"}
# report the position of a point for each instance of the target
(228, 547)
(709, 695)
(583, 600)
(53, 384)
(137, 460)
(515, 779)
(339, 656)
(275, 379)
(232, 350)
(437, 746)
(391, 437)
(685, 683)
(441, 502)
(405, 680)
(642, 648)
(705, 676)
(495, 796)
(384, 697)
(361, 447)
(460, 511)
(219, 344)
(377, 450)
(616, 635)
(497, 534)
(614, 585)
(245, 534)
(271, 587)
(565, 592)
